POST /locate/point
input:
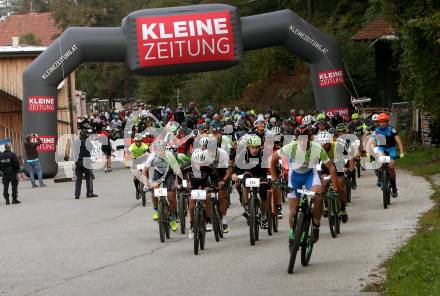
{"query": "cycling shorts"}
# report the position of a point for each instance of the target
(391, 151)
(297, 181)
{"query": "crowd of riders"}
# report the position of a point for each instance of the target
(218, 149)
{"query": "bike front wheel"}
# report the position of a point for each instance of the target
(307, 245)
(295, 244)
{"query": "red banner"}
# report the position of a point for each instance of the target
(48, 145)
(41, 104)
(188, 38)
(344, 112)
(331, 77)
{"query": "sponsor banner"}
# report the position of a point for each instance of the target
(41, 104)
(64, 57)
(48, 145)
(344, 112)
(187, 38)
(308, 39)
(331, 78)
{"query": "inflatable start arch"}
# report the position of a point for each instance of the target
(177, 40)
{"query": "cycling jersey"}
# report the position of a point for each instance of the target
(302, 162)
(138, 151)
(206, 176)
(389, 133)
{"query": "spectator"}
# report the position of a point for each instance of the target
(30, 147)
(83, 163)
(9, 166)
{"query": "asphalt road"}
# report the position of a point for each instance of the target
(52, 244)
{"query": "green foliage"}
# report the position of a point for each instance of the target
(29, 39)
(417, 49)
(415, 269)
(263, 73)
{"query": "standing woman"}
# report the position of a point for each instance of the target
(30, 147)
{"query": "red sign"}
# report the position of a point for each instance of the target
(330, 78)
(48, 145)
(344, 112)
(41, 104)
(188, 38)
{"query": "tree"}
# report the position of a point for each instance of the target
(29, 39)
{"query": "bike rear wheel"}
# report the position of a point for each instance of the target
(307, 245)
(196, 226)
(294, 246)
(144, 196)
(358, 168)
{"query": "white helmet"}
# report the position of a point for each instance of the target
(307, 119)
(138, 137)
(276, 130)
(323, 137)
(375, 117)
(199, 156)
(204, 141)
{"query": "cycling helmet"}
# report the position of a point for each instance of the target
(243, 114)
(355, 116)
(375, 117)
(301, 112)
(204, 141)
(303, 129)
(341, 127)
(307, 120)
(276, 130)
(172, 149)
(323, 137)
(199, 156)
(383, 117)
(254, 141)
(321, 117)
(273, 120)
(138, 137)
(331, 131)
(258, 122)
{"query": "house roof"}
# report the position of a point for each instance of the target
(42, 25)
(377, 28)
(18, 51)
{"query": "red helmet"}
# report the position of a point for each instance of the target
(299, 120)
(383, 117)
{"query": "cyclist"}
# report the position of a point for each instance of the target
(223, 163)
(163, 164)
(303, 155)
(201, 175)
(389, 147)
(326, 140)
(356, 125)
(254, 151)
(137, 149)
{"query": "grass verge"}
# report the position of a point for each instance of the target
(415, 268)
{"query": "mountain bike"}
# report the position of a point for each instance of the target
(271, 214)
(140, 192)
(182, 203)
(199, 225)
(333, 206)
(164, 213)
(216, 216)
(302, 229)
(253, 209)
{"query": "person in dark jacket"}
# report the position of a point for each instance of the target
(10, 167)
(83, 163)
(30, 147)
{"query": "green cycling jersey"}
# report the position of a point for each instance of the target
(138, 151)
